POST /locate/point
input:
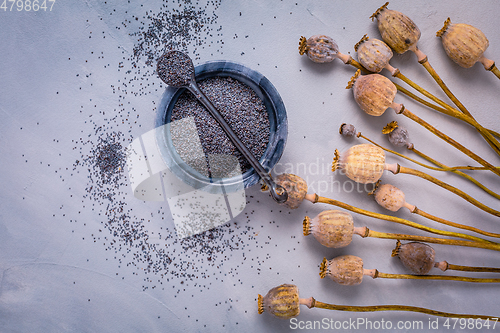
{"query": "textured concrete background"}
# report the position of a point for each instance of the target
(67, 81)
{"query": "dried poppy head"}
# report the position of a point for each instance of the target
(347, 130)
(364, 163)
(374, 93)
(281, 301)
(396, 29)
(463, 43)
(397, 135)
(389, 196)
(373, 54)
(331, 228)
(346, 270)
(417, 257)
(318, 48)
(295, 187)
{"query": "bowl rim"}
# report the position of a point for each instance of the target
(277, 138)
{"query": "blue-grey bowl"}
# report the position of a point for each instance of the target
(277, 120)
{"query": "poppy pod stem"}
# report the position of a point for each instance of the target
(460, 193)
(448, 110)
(444, 266)
(495, 71)
(348, 270)
(393, 199)
(359, 135)
(375, 56)
(356, 64)
(442, 241)
(419, 259)
(424, 61)
(402, 34)
(365, 164)
(350, 131)
(411, 147)
(400, 109)
(493, 143)
(453, 224)
(314, 198)
(375, 308)
(458, 172)
(442, 168)
(434, 277)
(490, 66)
(375, 93)
(283, 302)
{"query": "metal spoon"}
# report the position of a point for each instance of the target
(176, 69)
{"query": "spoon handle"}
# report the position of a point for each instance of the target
(278, 193)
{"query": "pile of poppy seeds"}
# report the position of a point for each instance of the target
(106, 163)
(161, 255)
(242, 109)
(174, 28)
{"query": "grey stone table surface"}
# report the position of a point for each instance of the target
(79, 253)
